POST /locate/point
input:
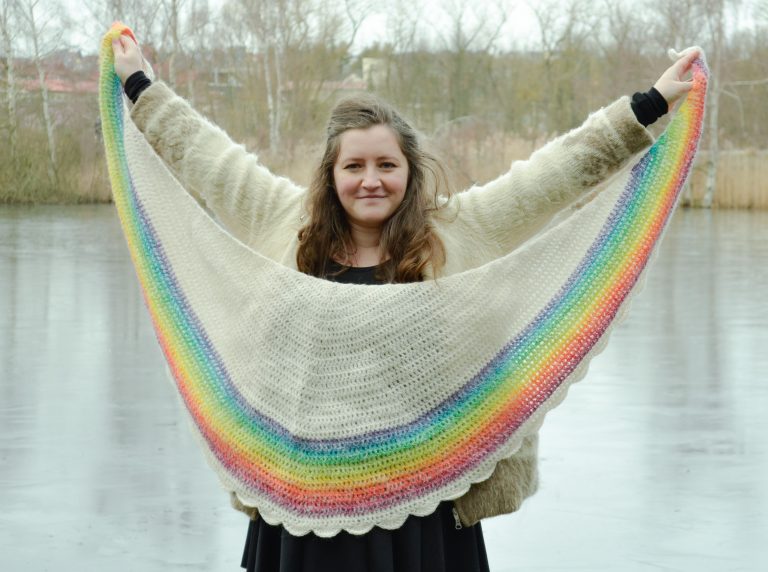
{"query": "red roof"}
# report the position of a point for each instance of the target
(61, 85)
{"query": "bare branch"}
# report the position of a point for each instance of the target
(746, 82)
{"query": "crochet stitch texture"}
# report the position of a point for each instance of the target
(334, 406)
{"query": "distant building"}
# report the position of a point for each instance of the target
(224, 78)
(350, 84)
(66, 71)
(57, 85)
(374, 72)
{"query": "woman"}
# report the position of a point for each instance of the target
(374, 214)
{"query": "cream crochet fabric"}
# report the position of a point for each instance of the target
(333, 406)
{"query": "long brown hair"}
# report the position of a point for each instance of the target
(408, 240)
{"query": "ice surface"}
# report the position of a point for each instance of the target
(657, 461)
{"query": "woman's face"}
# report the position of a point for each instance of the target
(370, 174)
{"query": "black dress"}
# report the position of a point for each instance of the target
(433, 543)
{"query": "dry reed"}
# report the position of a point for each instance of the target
(741, 182)
(474, 152)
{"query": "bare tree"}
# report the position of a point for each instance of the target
(564, 33)
(197, 36)
(403, 27)
(263, 19)
(403, 33)
(43, 39)
(173, 24)
(715, 16)
(7, 32)
(318, 53)
(472, 27)
(142, 16)
(355, 12)
(677, 23)
(622, 42)
(295, 42)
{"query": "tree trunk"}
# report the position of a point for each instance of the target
(279, 63)
(714, 147)
(716, 24)
(48, 124)
(35, 33)
(273, 128)
(191, 89)
(174, 29)
(10, 91)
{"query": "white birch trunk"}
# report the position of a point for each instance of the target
(38, 58)
(191, 89)
(273, 132)
(174, 29)
(48, 124)
(275, 136)
(10, 80)
(714, 109)
(714, 146)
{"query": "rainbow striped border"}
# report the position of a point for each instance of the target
(358, 476)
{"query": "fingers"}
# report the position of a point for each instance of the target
(688, 54)
(685, 63)
(128, 40)
(687, 60)
(124, 44)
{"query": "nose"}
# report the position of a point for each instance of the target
(371, 178)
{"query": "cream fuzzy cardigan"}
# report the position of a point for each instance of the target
(260, 208)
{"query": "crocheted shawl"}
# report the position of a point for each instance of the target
(341, 407)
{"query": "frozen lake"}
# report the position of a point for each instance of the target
(657, 461)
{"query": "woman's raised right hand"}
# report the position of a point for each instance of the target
(128, 58)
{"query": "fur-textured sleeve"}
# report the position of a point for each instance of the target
(510, 209)
(245, 196)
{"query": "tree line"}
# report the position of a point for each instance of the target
(269, 71)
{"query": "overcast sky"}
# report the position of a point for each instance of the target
(520, 24)
(520, 29)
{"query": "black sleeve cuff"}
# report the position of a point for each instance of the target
(136, 83)
(649, 106)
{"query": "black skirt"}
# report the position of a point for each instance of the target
(423, 544)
